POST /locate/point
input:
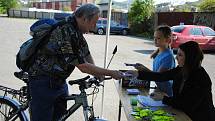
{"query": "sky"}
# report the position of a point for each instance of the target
(162, 1)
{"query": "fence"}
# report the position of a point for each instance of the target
(121, 18)
(31, 14)
(196, 18)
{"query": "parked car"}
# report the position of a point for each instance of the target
(205, 36)
(114, 27)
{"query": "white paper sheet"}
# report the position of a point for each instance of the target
(147, 101)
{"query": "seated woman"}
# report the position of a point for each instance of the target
(191, 83)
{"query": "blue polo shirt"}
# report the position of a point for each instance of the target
(166, 60)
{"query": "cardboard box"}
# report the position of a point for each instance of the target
(129, 82)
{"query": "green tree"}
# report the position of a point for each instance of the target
(97, 1)
(5, 5)
(207, 6)
(140, 10)
(183, 8)
(66, 8)
(140, 14)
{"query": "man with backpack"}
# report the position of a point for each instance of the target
(55, 60)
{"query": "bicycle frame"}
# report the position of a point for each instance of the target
(80, 100)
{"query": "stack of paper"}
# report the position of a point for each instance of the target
(147, 101)
(133, 91)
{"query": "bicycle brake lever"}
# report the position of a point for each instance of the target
(97, 82)
(93, 81)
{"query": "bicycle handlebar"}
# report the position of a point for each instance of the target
(87, 84)
(78, 81)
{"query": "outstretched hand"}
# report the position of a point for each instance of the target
(116, 74)
(141, 67)
(130, 74)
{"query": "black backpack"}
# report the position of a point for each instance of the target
(40, 32)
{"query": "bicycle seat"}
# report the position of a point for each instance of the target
(22, 76)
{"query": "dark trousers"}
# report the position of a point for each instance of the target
(46, 104)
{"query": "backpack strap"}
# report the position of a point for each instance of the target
(47, 36)
(44, 41)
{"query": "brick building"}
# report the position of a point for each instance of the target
(61, 5)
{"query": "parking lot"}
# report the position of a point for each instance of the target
(13, 32)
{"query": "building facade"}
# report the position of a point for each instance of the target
(60, 5)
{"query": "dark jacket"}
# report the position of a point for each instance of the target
(194, 97)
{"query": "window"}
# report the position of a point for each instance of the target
(104, 22)
(113, 23)
(99, 22)
(209, 32)
(195, 31)
(177, 29)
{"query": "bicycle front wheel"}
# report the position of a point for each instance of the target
(9, 111)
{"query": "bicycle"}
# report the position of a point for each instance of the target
(14, 103)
